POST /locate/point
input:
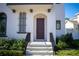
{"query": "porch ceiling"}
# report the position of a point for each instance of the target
(35, 7)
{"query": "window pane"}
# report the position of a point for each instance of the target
(22, 22)
(58, 25)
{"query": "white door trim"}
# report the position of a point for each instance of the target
(34, 30)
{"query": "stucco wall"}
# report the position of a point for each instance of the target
(13, 19)
(60, 14)
(12, 22)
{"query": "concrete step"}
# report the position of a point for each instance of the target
(43, 55)
(39, 52)
(40, 48)
(40, 44)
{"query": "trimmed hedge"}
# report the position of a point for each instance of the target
(67, 53)
(11, 53)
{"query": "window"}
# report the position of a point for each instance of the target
(22, 22)
(58, 24)
(3, 20)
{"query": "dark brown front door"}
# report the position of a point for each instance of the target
(40, 28)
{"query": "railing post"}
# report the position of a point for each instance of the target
(52, 39)
(28, 37)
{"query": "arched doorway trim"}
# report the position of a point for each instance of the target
(40, 16)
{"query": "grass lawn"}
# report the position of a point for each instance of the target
(71, 52)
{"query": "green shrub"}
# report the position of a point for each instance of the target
(64, 41)
(67, 53)
(76, 44)
(11, 53)
(13, 44)
(68, 39)
(2, 42)
(18, 44)
(62, 45)
(12, 47)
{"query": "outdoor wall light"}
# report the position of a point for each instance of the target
(13, 10)
(49, 10)
(31, 10)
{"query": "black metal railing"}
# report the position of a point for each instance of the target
(27, 40)
(52, 39)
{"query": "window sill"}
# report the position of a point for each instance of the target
(22, 32)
